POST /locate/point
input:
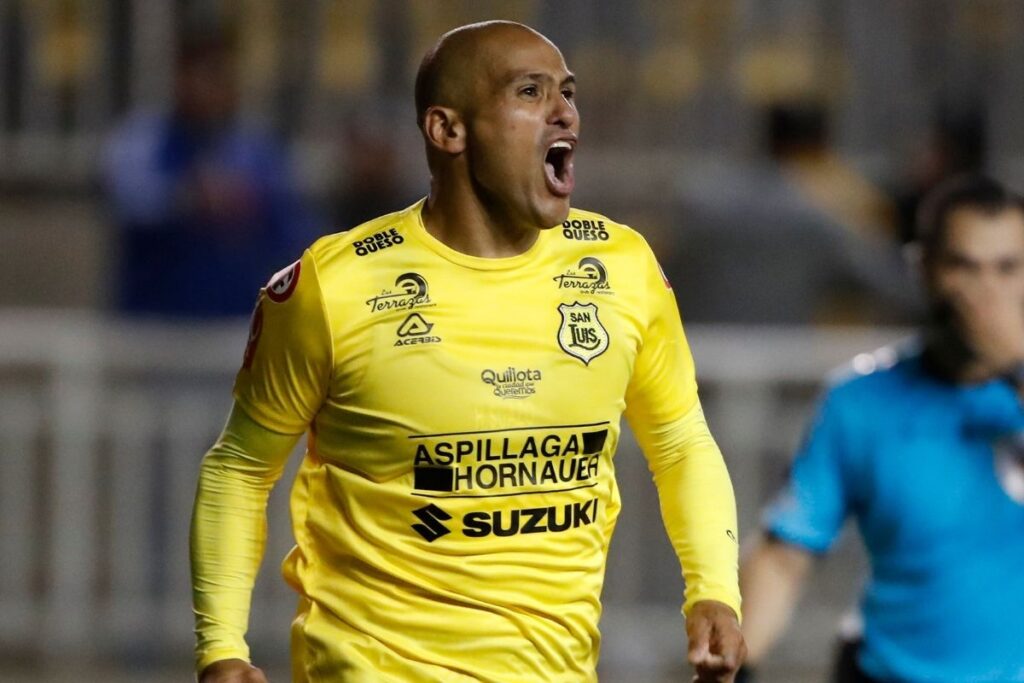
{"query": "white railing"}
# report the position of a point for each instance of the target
(103, 423)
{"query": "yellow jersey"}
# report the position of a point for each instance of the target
(453, 511)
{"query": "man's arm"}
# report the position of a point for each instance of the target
(697, 502)
(228, 539)
(699, 512)
(803, 521)
(283, 382)
(772, 574)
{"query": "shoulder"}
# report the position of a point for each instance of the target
(349, 250)
(595, 234)
(615, 248)
(588, 226)
(871, 378)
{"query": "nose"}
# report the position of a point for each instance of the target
(563, 112)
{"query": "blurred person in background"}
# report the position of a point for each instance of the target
(371, 185)
(800, 238)
(956, 144)
(465, 539)
(921, 446)
(204, 203)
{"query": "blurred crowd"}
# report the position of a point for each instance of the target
(734, 144)
(163, 158)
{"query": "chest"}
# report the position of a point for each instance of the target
(453, 351)
(933, 486)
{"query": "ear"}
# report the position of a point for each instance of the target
(444, 130)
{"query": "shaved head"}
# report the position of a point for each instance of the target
(450, 69)
(496, 105)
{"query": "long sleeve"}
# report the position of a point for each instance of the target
(280, 388)
(229, 532)
(696, 496)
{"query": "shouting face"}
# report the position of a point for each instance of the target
(510, 108)
(523, 131)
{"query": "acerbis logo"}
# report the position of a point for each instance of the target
(431, 517)
(511, 382)
(412, 293)
(378, 241)
(590, 276)
(586, 231)
(415, 330)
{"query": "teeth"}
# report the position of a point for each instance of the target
(561, 144)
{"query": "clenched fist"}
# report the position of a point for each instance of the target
(232, 671)
(716, 644)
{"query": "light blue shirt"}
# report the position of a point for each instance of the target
(912, 459)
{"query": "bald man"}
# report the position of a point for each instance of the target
(460, 369)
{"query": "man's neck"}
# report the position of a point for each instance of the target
(458, 218)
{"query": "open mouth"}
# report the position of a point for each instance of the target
(558, 170)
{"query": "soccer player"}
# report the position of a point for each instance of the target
(922, 447)
(460, 368)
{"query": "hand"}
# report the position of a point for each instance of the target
(232, 671)
(993, 326)
(716, 644)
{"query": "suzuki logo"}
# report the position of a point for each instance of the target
(431, 529)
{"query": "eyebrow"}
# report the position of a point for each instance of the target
(539, 76)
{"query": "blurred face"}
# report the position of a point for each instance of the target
(522, 129)
(983, 256)
(206, 90)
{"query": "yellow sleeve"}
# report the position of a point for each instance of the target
(694, 489)
(229, 532)
(281, 386)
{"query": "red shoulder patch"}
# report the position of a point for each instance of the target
(283, 283)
